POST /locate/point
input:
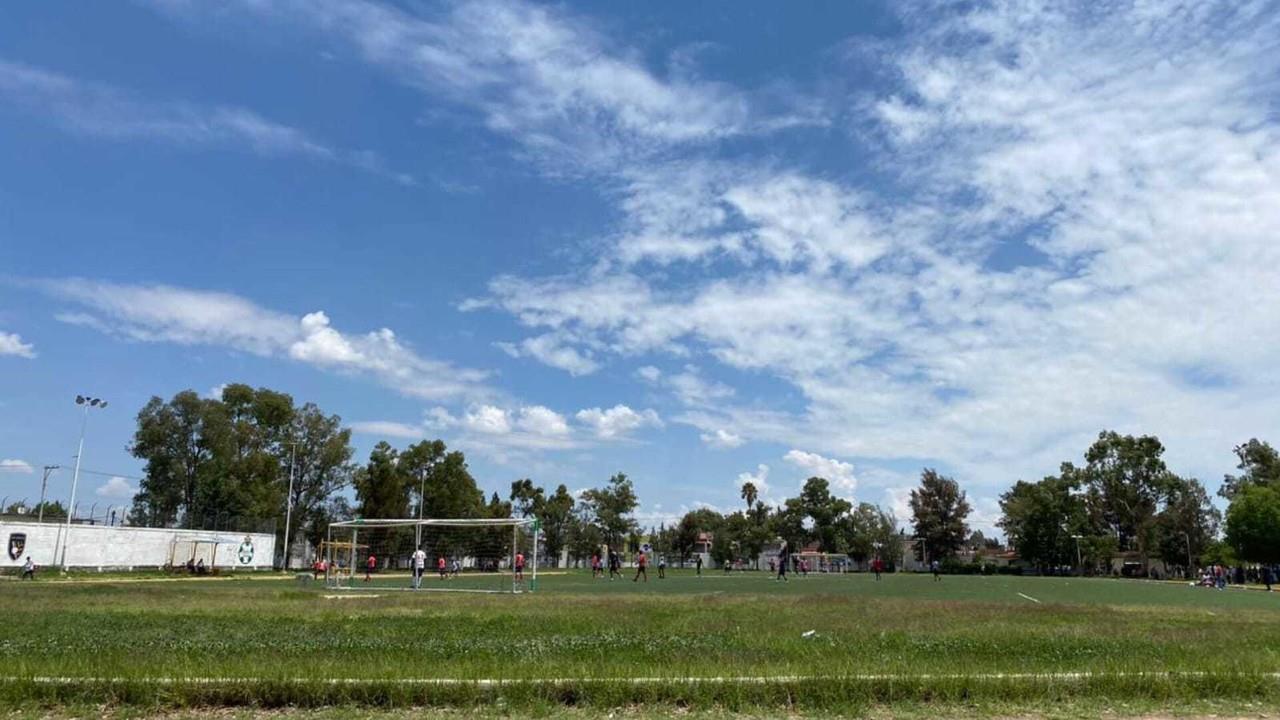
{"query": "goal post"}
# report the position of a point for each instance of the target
(494, 555)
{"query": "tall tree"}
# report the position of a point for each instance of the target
(526, 497)
(181, 442)
(319, 454)
(1187, 525)
(749, 493)
(610, 509)
(451, 490)
(1259, 465)
(1041, 518)
(1127, 483)
(869, 531)
(382, 486)
(1253, 524)
(939, 509)
(556, 515)
(419, 461)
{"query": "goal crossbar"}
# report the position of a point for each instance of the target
(461, 522)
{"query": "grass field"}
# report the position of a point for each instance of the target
(825, 643)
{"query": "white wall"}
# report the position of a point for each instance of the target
(100, 546)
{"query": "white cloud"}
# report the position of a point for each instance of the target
(551, 349)
(649, 374)
(487, 419)
(161, 313)
(617, 421)
(16, 466)
(11, 344)
(839, 473)
(116, 488)
(1079, 231)
(573, 97)
(722, 439)
(96, 110)
(386, 428)
(541, 420)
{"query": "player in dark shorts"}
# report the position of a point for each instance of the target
(369, 566)
(520, 567)
(784, 559)
(615, 565)
(596, 570)
(697, 563)
(936, 569)
(662, 567)
(444, 575)
(642, 564)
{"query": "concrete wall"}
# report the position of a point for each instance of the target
(100, 546)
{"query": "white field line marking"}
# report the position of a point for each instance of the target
(1030, 598)
(712, 680)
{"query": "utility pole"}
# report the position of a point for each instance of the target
(44, 485)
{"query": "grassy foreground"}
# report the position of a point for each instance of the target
(739, 642)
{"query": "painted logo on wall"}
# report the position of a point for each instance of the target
(17, 543)
(245, 555)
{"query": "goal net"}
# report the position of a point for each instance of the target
(459, 555)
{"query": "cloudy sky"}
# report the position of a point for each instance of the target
(700, 243)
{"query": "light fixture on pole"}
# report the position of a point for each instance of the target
(87, 402)
(1079, 560)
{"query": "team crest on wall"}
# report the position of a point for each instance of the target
(17, 543)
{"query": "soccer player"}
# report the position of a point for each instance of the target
(440, 568)
(936, 569)
(29, 570)
(519, 567)
(369, 566)
(419, 563)
(697, 563)
(596, 571)
(642, 564)
(662, 567)
(615, 565)
(876, 566)
(784, 557)
(455, 568)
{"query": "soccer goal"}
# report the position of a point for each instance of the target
(457, 555)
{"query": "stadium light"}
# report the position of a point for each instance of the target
(87, 402)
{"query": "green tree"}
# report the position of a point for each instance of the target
(182, 442)
(526, 497)
(814, 515)
(1259, 465)
(1041, 518)
(1253, 524)
(556, 515)
(382, 486)
(1187, 524)
(1127, 485)
(610, 509)
(584, 536)
(939, 509)
(451, 490)
(419, 461)
(749, 493)
(320, 456)
(869, 531)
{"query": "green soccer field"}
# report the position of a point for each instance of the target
(740, 640)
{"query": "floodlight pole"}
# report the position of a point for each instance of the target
(1079, 558)
(1187, 535)
(44, 484)
(288, 503)
(75, 478)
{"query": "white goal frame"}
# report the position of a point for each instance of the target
(343, 578)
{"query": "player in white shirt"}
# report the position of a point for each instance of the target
(419, 564)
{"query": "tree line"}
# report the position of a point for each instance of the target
(212, 460)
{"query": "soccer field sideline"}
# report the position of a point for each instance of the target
(1048, 677)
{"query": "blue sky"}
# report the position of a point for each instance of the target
(693, 242)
